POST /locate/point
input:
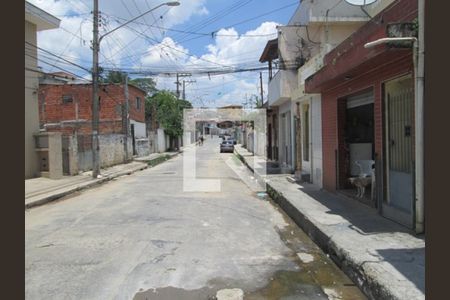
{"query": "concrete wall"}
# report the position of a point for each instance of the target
(112, 151)
(286, 136)
(152, 141)
(142, 147)
(31, 104)
(161, 140)
(281, 85)
(314, 165)
(140, 130)
(316, 11)
(316, 140)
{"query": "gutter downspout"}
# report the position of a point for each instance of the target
(419, 153)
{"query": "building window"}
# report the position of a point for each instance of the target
(138, 103)
(67, 99)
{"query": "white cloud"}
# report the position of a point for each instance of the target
(229, 47)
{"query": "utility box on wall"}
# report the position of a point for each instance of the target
(48, 145)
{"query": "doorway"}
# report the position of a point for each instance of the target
(398, 203)
(133, 139)
(356, 141)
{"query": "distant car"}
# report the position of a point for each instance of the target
(231, 139)
(226, 146)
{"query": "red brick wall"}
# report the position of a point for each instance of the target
(332, 135)
(111, 98)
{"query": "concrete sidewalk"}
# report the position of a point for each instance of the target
(383, 258)
(39, 191)
(155, 156)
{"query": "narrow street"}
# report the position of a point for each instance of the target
(142, 237)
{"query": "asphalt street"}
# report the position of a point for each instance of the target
(143, 237)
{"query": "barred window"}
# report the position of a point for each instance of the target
(67, 99)
(138, 103)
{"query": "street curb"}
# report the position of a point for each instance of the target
(368, 284)
(82, 186)
(257, 176)
(161, 159)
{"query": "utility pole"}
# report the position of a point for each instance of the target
(125, 121)
(95, 112)
(178, 82)
(184, 90)
(184, 87)
(178, 85)
(261, 83)
(95, 50)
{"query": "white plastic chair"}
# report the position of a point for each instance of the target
(367, 169)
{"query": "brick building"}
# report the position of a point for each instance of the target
(67, 108)
(368, 112)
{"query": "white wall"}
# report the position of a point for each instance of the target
(316, 140)
(161, 140)
(286, 137)
(31, 104)
(139, 129)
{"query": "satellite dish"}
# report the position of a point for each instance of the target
(360, 2)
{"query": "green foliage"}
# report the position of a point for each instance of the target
(415, 27)
(168, 110)
(114, 77)
(146, 84)
(158, 160)
(254, 101)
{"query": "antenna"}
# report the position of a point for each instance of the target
(360, 2)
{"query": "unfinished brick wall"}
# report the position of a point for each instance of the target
(75, 115)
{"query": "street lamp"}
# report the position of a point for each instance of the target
(95, 50)
(171, 3)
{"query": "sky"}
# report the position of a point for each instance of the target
(196, 36)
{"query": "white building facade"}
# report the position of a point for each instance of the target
(35, 20)
(315, 28)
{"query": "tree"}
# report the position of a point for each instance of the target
(146, 84)
(167, 110)
(114, 77)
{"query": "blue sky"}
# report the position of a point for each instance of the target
(153, 43)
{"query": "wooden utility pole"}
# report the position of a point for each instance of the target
(184, 87)
(178, 86)
(95, 112)
(184, 90)
(125, 121)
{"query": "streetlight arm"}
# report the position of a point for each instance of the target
(129, 21)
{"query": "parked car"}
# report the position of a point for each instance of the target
(231, 139)
(226, 146)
